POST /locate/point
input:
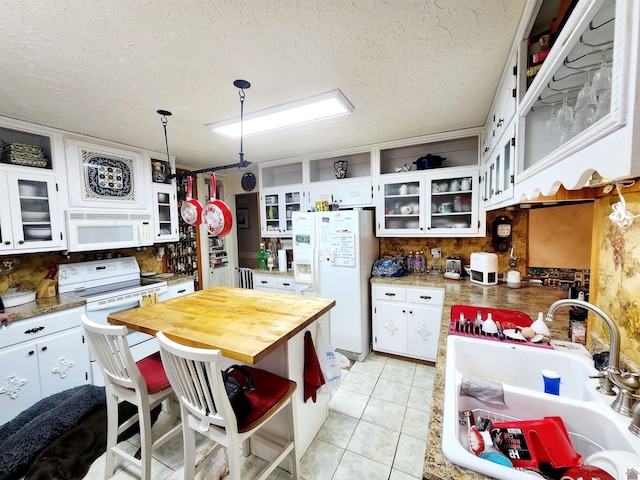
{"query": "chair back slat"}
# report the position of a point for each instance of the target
(195, 376)
(109, 346)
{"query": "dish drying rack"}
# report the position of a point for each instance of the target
(509, 319)
(581, 444)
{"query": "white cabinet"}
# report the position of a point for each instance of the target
(355, 189)
(441, 202)
(41, 356)
(278, 205)
(608, 147)
(179, 289)
(274, 283)
(165, 214)
(406, 320)
(29, 219)
(499, 169)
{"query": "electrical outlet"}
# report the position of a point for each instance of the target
(436, 252)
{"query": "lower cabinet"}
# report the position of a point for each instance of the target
(179, 289)
(406, 320)
(274, 283)
(41, 356)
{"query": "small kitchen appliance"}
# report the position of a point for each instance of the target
(484, 268)
(453, 264)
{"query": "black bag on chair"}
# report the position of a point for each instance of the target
(236, 392)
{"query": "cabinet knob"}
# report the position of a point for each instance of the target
(31, 352)
(44, 349)
(7, 242)
(20, 242)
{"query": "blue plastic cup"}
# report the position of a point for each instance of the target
(551, 382)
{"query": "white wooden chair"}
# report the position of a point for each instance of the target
(143, 383)
(196, 378)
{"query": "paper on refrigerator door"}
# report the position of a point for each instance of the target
(343, 246)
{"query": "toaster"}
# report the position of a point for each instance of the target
(484, 268)
(453, 264)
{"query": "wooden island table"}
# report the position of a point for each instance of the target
(248, 326)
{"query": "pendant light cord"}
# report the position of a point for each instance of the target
(163, 119)
(241, 94)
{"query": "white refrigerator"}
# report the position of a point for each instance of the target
(333, 253)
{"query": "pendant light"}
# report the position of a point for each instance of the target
(248, 181)
(163, 118)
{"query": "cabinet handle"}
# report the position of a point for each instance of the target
(404, 311)
(389, 294)
(31, 352)
(425, 297)
(33, 330)
(264, 282)
(44, 349)
(182, 291)
(500, 122)
(20, 242)
(411, 312)
(285, 284)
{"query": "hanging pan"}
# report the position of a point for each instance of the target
(216, 215)
(191, 209)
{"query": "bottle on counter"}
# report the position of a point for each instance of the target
(419, 262)
(410, 262)
(262, 257)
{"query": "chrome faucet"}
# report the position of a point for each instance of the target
(628, 383)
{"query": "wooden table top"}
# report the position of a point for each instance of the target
(246, 325)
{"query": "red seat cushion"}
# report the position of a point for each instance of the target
(153, 372)
(269, 390)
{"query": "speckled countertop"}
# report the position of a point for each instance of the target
(529, 299)
(275, 271)
(42, 306)
(174, 278)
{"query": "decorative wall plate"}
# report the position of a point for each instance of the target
(248, 182)
(107, 176)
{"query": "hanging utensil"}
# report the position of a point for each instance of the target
(191, 208)
(216, 215)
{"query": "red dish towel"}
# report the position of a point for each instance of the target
(313, 377)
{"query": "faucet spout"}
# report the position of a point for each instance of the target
(614, 332)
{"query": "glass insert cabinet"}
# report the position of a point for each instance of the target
(441, 204)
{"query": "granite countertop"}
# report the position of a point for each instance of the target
(42, 306)
(529, 299)
(173, 278)
(275, 271)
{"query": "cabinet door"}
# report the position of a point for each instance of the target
(6, 235)
(264, 282)
(423, 331)
(452, 200)
(277, 209)
(390, 328)
(165, 214)
(400, 206)
(61, 361)
(34, 211)
(180, 289)
(19, 382)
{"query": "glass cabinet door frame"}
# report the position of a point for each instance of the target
(172, 207)
(273, 214)
(395, 193)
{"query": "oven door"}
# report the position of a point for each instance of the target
(141, 344)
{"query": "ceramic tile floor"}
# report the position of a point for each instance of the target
(376, 429)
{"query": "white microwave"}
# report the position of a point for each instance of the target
(107, 230)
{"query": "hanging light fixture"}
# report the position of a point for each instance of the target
(242, 85)
(163, 118)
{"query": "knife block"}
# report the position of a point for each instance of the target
(46, 288)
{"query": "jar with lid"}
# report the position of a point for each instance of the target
(410, 262)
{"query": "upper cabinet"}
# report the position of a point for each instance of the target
(434, 196)
(344, 180)
(576, 102)
(106, 177)
(281, 194)
(30, 219)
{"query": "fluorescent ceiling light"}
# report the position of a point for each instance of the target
(327, 105)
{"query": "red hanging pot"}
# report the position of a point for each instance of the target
(216, 215)
(191, 209)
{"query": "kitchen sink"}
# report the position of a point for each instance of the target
(586, 413)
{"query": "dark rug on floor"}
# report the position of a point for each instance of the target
(60, 435)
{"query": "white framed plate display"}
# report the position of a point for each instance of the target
(105, 176)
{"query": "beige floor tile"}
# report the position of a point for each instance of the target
(337, 429)
(353, 466)
(359, 382)
(348, 403)
(320, 461)
(416, 423)
(410, 455)
(369, 367)
(374, 442)
(393, 392)
(398, 475)
(384, 414)
(420, 398)
(398, 373)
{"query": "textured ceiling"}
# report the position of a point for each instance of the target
(103, 68)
